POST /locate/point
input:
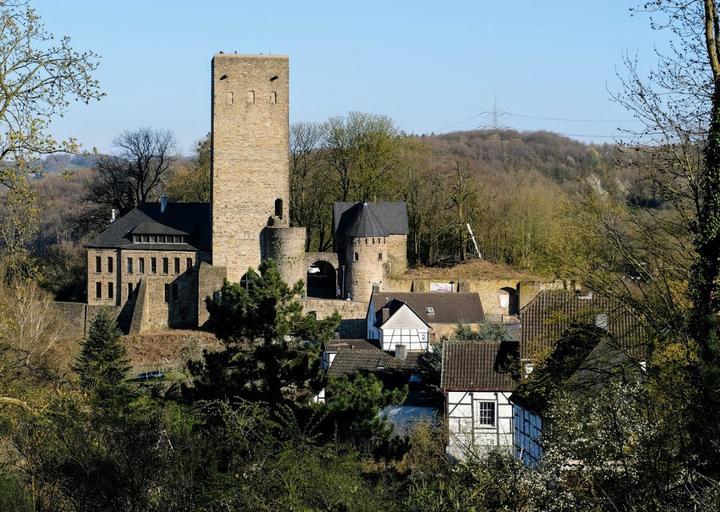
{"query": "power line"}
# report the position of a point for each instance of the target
(571, 120)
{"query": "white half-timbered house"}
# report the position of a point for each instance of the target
(414, 319)
(477, 382)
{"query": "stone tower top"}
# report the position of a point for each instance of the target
(250, 169)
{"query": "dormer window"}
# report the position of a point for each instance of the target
(161, 239)
(430, 310)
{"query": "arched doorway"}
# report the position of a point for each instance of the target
(321, 280)
(509, 301)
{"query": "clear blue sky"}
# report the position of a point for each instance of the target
(426, 64)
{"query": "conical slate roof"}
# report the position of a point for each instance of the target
(362, 222)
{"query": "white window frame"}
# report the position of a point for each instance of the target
(477, 413)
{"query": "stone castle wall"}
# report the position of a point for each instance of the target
(250, 169)
(396, 247)
(287, 247)
(367, 264)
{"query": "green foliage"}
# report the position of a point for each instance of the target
(190, 181)
(102, 364)
(272, 349)
(265, 308)
(354, 404)
(486, 332)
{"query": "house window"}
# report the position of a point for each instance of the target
(110, 264)
(141, 264)
(379, 256)
(129, 290)
(165, 265)
(177, 265)
(98, 264)
(278, 208)
(129, 266)
(174, 291)
(98, 290)
(153, 265)
(356, 257)
(167, 292)
(485, 413)
(188, 263)
(111, 291)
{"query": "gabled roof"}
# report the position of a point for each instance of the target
(552, 312)
(370, 219)
(585, 358)
(447, 308)
(394, 306)
(349, 344)
(478, 365)
(192, 219)
(375, 361)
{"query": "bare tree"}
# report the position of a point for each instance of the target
(39, 76)
(133, 175)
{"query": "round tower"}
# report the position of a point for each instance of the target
(286, 246)
(366, 253)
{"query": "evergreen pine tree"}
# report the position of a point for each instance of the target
(103, 365)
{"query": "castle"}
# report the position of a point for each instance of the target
(157, 263)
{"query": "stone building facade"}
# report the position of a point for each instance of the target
(159, 262)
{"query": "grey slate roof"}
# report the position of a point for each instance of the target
(552, 312)
(478, 366)
(192, 219)
(370, 219)
(449, 308)
(349, 344)
(347, 362)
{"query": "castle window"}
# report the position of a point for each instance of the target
(141, 263)
(188, 263)
(98, 290)
(98, 264)
(165, 265)
(356, 257)
(278, 208)
(167, 292)
(130, 286)
(110, 264)
(251, 97)
(229, 98)
(174, 291)
(153, 265)
(111, 291)
(177, 265)
(129, 266)
(379, 256)
(273, 97)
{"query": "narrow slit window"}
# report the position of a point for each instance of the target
(356, 257)
(251, 96)
(273, 97)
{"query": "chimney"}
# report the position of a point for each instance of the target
(113, 215)
(164, 199)
(385, 314)
(400, 352)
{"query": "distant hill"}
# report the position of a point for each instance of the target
(506, 151)
(59, 163)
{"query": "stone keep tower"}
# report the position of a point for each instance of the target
(250, 168)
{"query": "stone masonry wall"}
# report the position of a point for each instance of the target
(250, 169)
(287, 247)
(367, 266)
(396, 248)
(210, 280)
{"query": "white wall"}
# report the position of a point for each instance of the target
(404, 328)
(466, 434)
(528, 436)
